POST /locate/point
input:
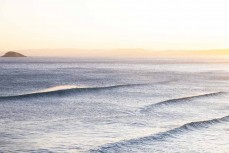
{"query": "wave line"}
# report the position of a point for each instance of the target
(178, 100)
(65, 92)
(116, 147)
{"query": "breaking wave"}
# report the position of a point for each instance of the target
(118, 146)
(178, 100)
(65, 92)
(59, 91)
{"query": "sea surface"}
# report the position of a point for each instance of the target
(114, 105)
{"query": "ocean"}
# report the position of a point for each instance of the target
(114, 105)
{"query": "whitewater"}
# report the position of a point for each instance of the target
(114, 105)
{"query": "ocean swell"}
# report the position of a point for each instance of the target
(65, 92)
(118, 146)
(178, 100)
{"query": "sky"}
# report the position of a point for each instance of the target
(111, 24)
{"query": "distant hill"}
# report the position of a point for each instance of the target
(13, 54)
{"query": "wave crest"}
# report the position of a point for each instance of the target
(178, 100)
(65, 92)
(118, 146)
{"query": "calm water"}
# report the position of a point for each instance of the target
(97, 105)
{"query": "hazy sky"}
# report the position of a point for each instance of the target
(105, 24)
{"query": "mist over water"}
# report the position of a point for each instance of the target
(113, 105)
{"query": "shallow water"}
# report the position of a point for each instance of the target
(110, 105)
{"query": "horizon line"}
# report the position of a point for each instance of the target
(122, 52)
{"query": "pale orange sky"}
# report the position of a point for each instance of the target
(110, 24)
(132, 53)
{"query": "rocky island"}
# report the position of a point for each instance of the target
(13, 54)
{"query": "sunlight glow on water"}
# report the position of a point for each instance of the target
(60, 87)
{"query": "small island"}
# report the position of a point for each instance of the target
(13, 54)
